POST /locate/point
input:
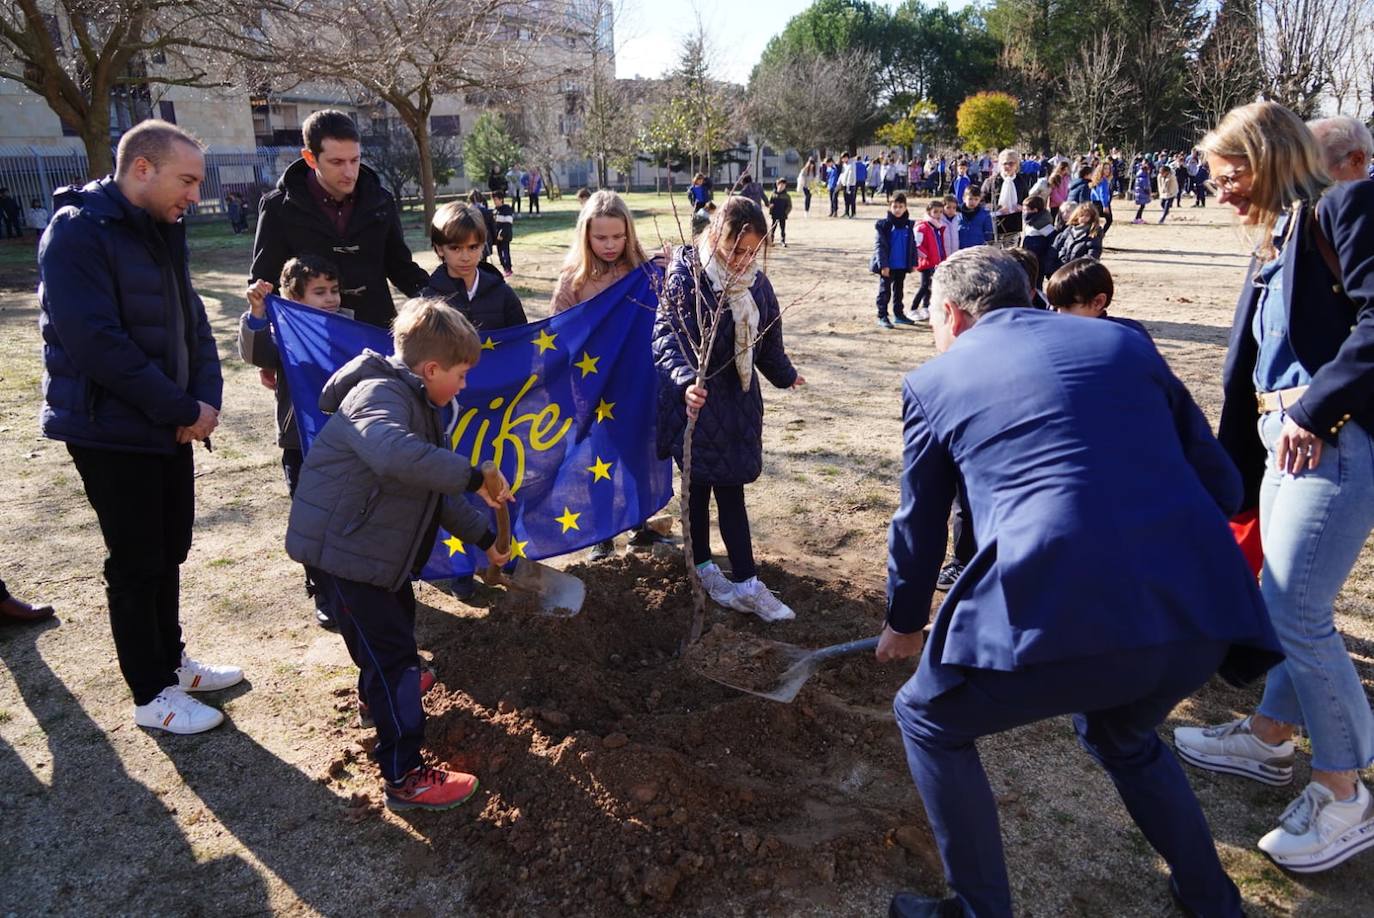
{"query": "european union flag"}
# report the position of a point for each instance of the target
(565, 407)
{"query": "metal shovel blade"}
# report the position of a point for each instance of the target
(560, 594)
(800, 664)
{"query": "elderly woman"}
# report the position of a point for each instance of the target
(1004, 191)
(1347, 145)
(1302, 350)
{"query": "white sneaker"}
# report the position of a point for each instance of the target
(1233, 749)
(753, 597)
(1317, 831)
(717, 585)
(203, 677)
(177, 712)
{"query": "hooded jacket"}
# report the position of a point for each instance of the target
(495, 306)
(1074, 242)
(379, 480)
(975, 227)
(128, 354)
(371, 251)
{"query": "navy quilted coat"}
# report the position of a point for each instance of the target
(727, 444)
(114, 291)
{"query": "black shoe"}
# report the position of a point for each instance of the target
(949, 574)
(644, 536)
(910, 905)
(901, 320)
(325, 620)
(603, 550)
(884, 322)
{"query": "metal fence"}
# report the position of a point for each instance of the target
(34, 173)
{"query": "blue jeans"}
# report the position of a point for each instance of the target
(1312, 527)
(1118, 700)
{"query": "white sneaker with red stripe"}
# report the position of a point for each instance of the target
(177, 712)
(203, 677)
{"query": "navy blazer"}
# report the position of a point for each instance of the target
(1098, 493)
(1332, 332)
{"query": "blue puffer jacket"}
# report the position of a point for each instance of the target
(114, 291)
(727, 444)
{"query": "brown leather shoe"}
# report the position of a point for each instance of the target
(12, 610)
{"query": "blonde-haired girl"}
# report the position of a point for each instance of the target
(1082, 237)
(604, 250)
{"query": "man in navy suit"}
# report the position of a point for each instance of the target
(1108, 587)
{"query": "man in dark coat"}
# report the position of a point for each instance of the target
(329, 204)
(131, 379)
(1108, 585)
(10, 213)
(1006, 205)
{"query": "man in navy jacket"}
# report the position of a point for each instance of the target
(1109, 587)
(131, 379)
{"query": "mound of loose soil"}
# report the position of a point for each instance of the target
(617, 778)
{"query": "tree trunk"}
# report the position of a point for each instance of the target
(427, 189)
(95, 136)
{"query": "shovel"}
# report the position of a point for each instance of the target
(800, 664)
(558, 593)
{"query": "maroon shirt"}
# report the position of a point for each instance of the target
(337, 212)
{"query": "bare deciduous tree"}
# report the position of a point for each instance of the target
(812, 100)
(1226, 73)
(1095, 100)
(1298, 40)
(1350, 70)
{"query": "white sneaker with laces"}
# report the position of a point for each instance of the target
(1317, 831)
(1232, 748)
(177, 712)
(717, 585)
(203, 677)
(753, 597)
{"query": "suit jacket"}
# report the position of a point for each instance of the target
(1330, 328)
(1098, 494)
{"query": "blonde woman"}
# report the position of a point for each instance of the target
(1302, 350)
(605, 249)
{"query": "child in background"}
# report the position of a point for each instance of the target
(503, 219)
(463, 279)
(584, 194)
(975, 223)
(536, 188)
(378, 482)
(894, 256)
(697, 195)
(38, 217)
(1200, 180)
(1101, 195)
(832, 184)
(1038, 232)
(702, 218)
(479, 201)
(1084, 287)
(961, 181)
(930, 251)
(778, 208)
(1143, 194)
(951, 224)
(727, 446)
(1168, 189)
(314, 282)
(1082, 238)
(1030, 263)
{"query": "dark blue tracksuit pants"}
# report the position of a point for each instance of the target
(379, 628)
(1118, 700)
(890, 291)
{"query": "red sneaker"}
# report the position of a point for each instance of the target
(430, 789)
(427, 680)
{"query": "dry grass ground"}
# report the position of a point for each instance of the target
(97, 816)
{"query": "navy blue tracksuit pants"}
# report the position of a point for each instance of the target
(379, 628)
(890, 291)
(1117, 701)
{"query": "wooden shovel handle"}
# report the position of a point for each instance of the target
(491, 480)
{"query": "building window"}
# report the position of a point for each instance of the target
(445, 125)
(167, 111)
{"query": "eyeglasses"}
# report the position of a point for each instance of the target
(1227, 182)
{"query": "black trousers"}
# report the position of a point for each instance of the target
(378, 627)
(850, 196)
(890, 289)
(534, 204)
(503, 253)
(779, 226)
(734, 527)
(146, 505)
(961, 522)
(922, 297)
(835, 201)
(13, 227)
(806, 199)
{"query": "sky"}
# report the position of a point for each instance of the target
(648, 39)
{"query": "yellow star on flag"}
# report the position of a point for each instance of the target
(568, 519)
(488, 345)
(587, 364)
(545, 340)
(600, 470)
(603, 411)
(455, 546)
(517, 548)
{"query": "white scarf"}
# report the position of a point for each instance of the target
(1006, 201)
(743, 309)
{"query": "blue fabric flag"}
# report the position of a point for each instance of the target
(565, 406)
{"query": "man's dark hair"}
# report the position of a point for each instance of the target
(1078, 282)
(329, 124)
